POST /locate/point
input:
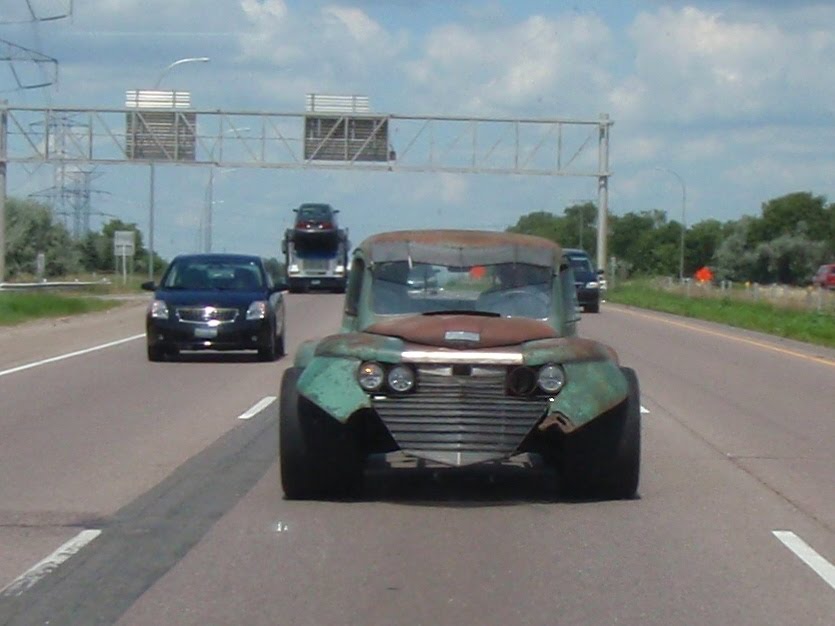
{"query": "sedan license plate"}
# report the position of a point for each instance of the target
(315, 281)
(205, 333)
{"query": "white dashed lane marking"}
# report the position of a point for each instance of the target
(69, 355)
(807, 554)
(257, 408)
(29, 578)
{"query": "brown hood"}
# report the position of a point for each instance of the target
(463, 331)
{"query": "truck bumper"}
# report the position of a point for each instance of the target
(300, 284)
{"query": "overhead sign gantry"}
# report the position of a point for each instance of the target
(321, 137)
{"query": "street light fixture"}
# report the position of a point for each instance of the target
(683, 218)
(179, 62)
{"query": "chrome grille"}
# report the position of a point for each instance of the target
(459, 419)
(205, 314)
(315, 265)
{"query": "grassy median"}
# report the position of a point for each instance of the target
(21, 307)
(809, 326)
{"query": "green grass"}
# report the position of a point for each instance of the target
(16, 307)
(808, 326)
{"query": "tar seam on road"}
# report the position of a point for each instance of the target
(807, 554)
(69, 355)
(150, 535)
(822, 360)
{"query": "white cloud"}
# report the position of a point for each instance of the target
(692, 65)
(454, 188)
(537, 62)
(337, 47)
(360, 27)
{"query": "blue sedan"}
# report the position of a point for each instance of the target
(215, 302)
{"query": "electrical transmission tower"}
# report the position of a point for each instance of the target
(71, 191)
(70, 194)
(29, 68)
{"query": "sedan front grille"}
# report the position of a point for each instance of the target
(205, 314)
(459, 419)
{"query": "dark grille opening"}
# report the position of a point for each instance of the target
(460, 419)
(202, 314)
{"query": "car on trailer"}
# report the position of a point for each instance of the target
(484, 367)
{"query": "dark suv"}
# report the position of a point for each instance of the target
(586, 279)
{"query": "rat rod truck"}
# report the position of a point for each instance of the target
(481, 364)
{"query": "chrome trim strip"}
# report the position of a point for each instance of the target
(462, 356)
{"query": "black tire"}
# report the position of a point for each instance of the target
(269, 351)
(156, 353)
(317, 455)
(603, 459)
(280, 346)
(593, 308)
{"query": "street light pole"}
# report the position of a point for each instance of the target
(209, 199)
(152, 172)
(179, 62)
(683, 219)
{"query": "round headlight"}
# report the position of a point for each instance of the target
(370, 376)
(551, 378)
(401, 378)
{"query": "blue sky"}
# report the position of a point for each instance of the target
(737, 97)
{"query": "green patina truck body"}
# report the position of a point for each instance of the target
(459, 347)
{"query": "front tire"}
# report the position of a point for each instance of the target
(317, 455)
(269, 352)
(603, 459)
(156, 353)
(280, 346)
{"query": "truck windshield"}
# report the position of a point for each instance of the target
(509, 289)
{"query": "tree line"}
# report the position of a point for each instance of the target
(793, 235)
(31, 230)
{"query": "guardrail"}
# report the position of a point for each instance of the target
(46, 285)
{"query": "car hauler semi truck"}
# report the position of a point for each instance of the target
(316, 250)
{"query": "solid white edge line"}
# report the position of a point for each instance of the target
(69, 355)
(30, 577)
(807, 554)
(257, 408)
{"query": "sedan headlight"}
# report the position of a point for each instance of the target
(370, 376)
(257, 310)
(159, 310)
(551, 378)
(401, 378)
(592, 285)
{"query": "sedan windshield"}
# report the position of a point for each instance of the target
(202, 274)
(508, 289)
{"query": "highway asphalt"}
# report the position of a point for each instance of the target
(146, 493)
